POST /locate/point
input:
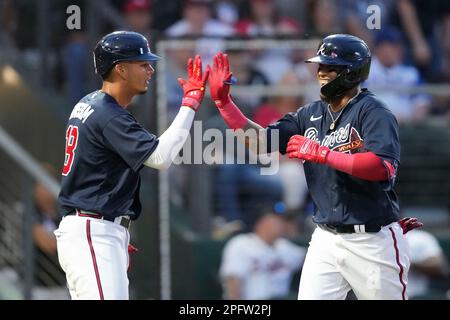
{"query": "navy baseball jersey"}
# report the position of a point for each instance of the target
(105, 150)
(364, 125)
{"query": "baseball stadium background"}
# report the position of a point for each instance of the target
(46, 67)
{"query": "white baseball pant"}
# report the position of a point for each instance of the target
(374, 265)
(94, 255)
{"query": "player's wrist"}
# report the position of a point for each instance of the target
(189, 102)
(223, 102)
(193, 98)
(322, 154)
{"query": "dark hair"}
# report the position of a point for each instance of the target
(107, 74)
(264, 209)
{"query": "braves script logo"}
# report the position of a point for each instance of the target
(345, 139)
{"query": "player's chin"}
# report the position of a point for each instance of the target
(143, 91)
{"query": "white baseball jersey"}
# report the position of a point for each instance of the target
(265, 271)
(423, 246)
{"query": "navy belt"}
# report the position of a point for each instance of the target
(350, 228)
(124, 221)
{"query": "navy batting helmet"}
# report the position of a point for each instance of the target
(348, 52)
(121, 46)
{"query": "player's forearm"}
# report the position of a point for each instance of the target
(236, 120)
(365, 166)
(172, 140)
(233, 117)
(435, 266)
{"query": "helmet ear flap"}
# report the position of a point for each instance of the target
(344, 81)
(350, 79)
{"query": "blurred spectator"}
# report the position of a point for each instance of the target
(426, 47)
(260, 264)
(197, 21)
(388, 71)
(427, 262)
(323, 18)
(8, 30)
(238, 185)
(139, 18)
(295, 10)
(241, 187)
(227, 11)
(166, 14)
(50, 279)
(291, 172)
(75, 58)
(8, 18)
(274, 63)
(246, 74)
(175, 69)
(354, 16)
(307, 74)
(264, 20)
(441, 108)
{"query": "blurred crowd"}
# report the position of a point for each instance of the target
(411, 46)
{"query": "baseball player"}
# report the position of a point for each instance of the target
(350, 147)
(260, 264)
(105, 150)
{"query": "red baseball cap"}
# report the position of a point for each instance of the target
(132, 5)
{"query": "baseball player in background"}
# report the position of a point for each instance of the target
(105, 150)
(260, 264)
(350, 147)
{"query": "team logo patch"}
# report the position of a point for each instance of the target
(345, 139)
(354, 145)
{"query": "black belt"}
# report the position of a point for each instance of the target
(350, 228)
(124, 221)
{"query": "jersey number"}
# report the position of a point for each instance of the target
(71, 145)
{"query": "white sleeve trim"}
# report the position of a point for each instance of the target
(172, 140)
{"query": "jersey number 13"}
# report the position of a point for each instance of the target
(71, 145)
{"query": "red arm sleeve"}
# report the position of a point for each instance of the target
(233, 117)
(367, 165)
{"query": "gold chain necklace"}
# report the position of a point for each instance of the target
(333, 124)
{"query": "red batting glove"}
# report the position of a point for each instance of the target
(194, 87)
(306, 149)
(219, 80)
(409, 224)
